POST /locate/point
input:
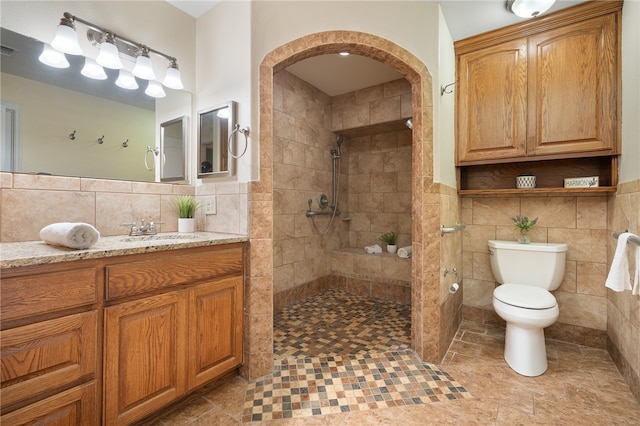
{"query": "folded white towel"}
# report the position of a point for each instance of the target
(405, 252)
(73, 235)
(374, 249)
(636, 278)
(619, 278)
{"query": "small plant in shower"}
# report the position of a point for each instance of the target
(524, 224)
(390, 239)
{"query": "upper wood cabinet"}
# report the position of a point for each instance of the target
(546, 89)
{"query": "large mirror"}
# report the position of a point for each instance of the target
(215, 132)
(56, 121)
(173, 140)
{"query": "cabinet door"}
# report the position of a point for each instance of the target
(572, 89)
(144, 356)
(75, 406)
(215, 334)
(492, 99)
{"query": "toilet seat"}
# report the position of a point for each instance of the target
(524, 296)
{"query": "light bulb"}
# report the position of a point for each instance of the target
(53, 58)
(155, 90)
(126, 80)
(108, 56)
(172, 79)
(92, 70)
(144, 67)
(66, 38)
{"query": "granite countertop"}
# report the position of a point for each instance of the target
(28, 253)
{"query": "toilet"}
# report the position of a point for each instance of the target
(526, 273)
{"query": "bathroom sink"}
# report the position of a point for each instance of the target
(158, 237)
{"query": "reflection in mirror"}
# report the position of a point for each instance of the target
(214, 129)
(173, 140)
(47, 105)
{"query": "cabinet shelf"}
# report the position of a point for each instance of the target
(550, 174)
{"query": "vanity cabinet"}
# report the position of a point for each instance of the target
(546, 89)
(114, 340)
(182, 328)
(49, 345)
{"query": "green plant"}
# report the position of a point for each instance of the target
(389, 237)
(187, 206)
(523, 223)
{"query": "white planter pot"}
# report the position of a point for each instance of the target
(186, 224)
(391, 248)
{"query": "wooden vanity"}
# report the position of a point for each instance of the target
(112, 340)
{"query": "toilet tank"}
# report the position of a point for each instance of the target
(534, 264)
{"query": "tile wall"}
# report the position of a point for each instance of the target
(30, 202)
(623, 309)
(578, 221)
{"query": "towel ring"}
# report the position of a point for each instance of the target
(155, 151)
(245, 131)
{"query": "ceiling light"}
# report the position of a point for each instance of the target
(144, 67)
(172, 79)
(155, 90)
(91, 69)
(529, 8)
(344, 53)
(66, 38)
(126, 80)
(108, 56)
(53, 58)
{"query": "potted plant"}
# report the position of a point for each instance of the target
(187, 206)
(390, 239)
(524, 225)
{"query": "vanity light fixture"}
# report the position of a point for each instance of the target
(155, 90)
(144, 66)
(529, 8)
(172, 79)
(112, 48)
(108, 56)
(66, 38)
(53, 58)
(92, 70)
(126, 80)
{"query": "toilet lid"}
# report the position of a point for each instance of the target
(524, 296)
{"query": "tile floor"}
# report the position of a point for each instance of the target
(581, 387)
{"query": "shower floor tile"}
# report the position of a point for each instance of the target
(339, 323)
(342, 384)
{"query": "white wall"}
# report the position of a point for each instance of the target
(409, 24)
(444, 142)
(630, 160)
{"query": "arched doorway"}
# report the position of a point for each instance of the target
(425, 292)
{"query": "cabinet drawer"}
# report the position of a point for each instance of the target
(45, 356)
(161, 272)
(76, 406)
(31, 295)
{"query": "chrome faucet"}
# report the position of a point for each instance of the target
(143, 229)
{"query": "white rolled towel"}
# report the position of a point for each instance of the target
(405, 252)
(76, 235)
(373, 249)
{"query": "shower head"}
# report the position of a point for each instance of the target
(339, 140)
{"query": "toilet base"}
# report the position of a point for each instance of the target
(525, 350)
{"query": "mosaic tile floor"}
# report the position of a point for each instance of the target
(341, 384)
(338, 323)
(339, 353)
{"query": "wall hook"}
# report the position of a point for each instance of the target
(443, 89)
(125, 143)
(72, 135)
(101, 140)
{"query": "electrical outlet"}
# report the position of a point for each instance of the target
(210, 205)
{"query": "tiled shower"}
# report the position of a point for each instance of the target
(374, 193)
